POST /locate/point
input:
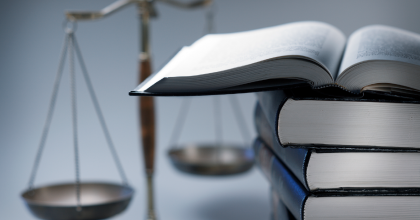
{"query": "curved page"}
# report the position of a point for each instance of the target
(317, 41)
(379, 42)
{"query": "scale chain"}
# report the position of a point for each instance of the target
(218, 120)
(51, 107)
(71, 47)
(240, 118)
(217, 107)
(210, 19)
(179, 124)
(74, 117)
(99, 111)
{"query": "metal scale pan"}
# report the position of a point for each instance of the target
(97, 201)
(77, 200)
(211, 159)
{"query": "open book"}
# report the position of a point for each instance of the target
(374, 58)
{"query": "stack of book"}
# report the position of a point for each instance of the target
(339, 133)
(339, 158)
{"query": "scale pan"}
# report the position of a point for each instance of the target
(212, 159)
(58, 202)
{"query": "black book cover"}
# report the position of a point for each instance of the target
(271, 103)
(294, 194)
(297, 159)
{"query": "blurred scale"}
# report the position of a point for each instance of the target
(212, 159)
(77, 200)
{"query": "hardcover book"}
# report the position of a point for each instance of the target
(345, 170)
(315, 121)
(375, 58)
(307, 205)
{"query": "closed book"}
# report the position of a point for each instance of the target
(309, 120)
(326, 170)
(306, 205)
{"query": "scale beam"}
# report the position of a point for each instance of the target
(92, 15)
(188, 5)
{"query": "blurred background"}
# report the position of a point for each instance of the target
(30, 42)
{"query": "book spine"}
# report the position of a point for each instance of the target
(271, 102)
(295, 159)
(289, 189)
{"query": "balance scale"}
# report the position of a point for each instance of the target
(99, 200)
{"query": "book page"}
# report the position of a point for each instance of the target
(315, 41)
(178, 58)
(378, 42)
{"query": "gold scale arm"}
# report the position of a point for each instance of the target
(146, 105)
